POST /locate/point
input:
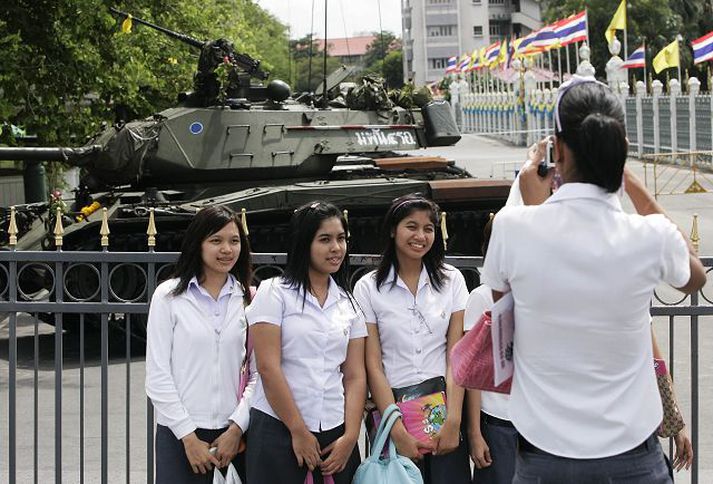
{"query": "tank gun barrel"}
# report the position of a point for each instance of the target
(67, 155)
(187, 39)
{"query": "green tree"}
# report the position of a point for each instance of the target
(384, 57)
(67, 66)
(640, 25)
(382, 44)
(300, 51)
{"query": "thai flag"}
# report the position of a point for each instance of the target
(546, 38)
(703, 48)
(452, 65)
(464, 63)
(636, 60)
(572, 29)
(524, 44)
(492, 52)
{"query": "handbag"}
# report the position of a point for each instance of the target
(391, 468)
(245, 369)
(472, 359)
(231, 476)
(672, 422)
(422, 406)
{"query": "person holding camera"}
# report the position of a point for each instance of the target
(582, 273)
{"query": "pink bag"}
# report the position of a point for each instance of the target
(472, 359)
(245, 369)
(326, 479)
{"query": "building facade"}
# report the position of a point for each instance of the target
(434, 30)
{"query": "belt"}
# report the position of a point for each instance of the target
(491, 420)
(525, 446)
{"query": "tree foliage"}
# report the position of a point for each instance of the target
(657, 22)
(303, 77)
(384, 57)
(68, 67)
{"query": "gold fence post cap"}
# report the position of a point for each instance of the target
(12, 228)
(151, 230)
(244, 220)
(444, 230)
(58, 228)
(104, 231)
(695, 237)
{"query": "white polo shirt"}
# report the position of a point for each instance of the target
(314, 346)
(193, 363)
(479, 301)
(582, 273)
(412, 330)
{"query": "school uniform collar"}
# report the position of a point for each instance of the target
(334, 293)
(231, 287)
(423, 279)
(578, 191)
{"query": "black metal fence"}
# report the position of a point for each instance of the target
(76, 410)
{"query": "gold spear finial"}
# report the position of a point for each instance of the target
(151, 231)
(444, 231)
(695, 238)
(58, 229)
(244, 220)
(12, 229)
(346, 219)
(104, 231)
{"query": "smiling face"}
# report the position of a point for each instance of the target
(220, 251)
(328, 247)
(414, 235)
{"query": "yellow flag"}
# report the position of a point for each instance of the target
(483, 60)
(126, 25)
(667, 57)
(618, 22)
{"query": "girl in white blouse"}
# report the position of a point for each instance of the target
(195, 348)
(414, 305)
(309, 343)
(582, 274)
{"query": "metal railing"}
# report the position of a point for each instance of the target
(53, 375)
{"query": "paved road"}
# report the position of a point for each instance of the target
(481, 156)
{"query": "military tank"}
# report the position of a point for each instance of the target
(255, 147)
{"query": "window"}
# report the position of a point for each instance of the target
(496, 2)
(497, 29)
(441, 30)
(438, 2)
(477, 30)
(438, 62)
(477, 2)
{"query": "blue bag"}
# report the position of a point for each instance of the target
(393, 469)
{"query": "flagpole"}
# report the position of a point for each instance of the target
(626, 50)
(586, 16)
(576, 55)
(559, 65)
(566, 48)
(678, 47)
(549, 61)
(644, 61)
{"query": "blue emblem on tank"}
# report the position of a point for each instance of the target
(196, 128)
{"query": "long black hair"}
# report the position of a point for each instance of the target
(401, 208)
(592, 125)
(304, 225)
(190, 263)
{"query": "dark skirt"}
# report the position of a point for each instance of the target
(172, 466)
(270, 458)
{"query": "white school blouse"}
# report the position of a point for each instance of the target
(582, 273)
(193, 362)
(412, 330)
(480, 300)
(314, 346)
